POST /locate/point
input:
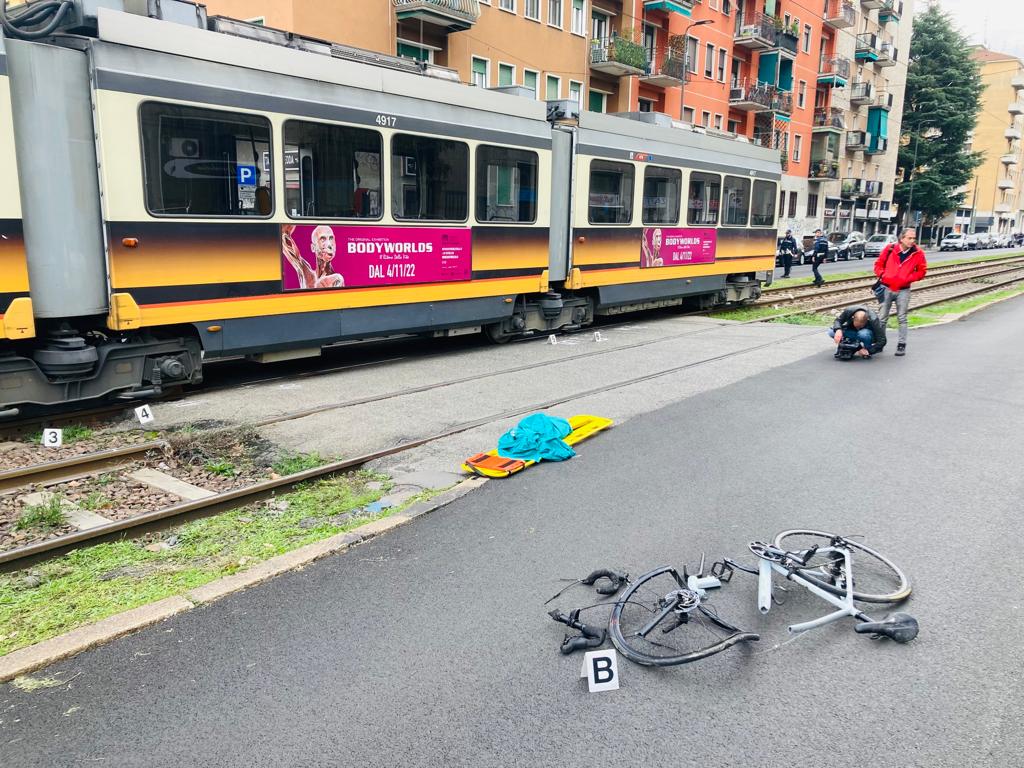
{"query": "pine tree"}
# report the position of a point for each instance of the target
(943, 96)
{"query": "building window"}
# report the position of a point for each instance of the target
(722, 56)
(506, 185)
(507, 5)
(597, 101)
(531, 9)
(702, 203)
(734, 126)
(332, 171)
(782, 201)
(579, 24)
(530, 81)
(576, 92)
(705, 119)
(646, 105)
(691, 54)
(662, 190)
(798, 145)
(429, 178)
(688, 115)
(599, 23)
(553, 87)
(555, 13)
(792, 205)
(611, 193)
(480, 67)
(506, 74)
(812, 206)
(736, 195)
(177, 138)
(762, 207)
(801, 94)
(718, 122)
(417, 52)
(709, 60)
(737, 70)
(807, 38)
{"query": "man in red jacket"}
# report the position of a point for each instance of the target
(899, 265)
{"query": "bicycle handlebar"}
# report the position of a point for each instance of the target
(590, 637)
(617, 581)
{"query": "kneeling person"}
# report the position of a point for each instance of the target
(858, 331)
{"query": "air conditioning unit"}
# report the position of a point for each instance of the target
(184, 147)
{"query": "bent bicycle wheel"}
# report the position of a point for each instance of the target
(658, 622)
(876, 578)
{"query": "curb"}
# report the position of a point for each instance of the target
(42, 654)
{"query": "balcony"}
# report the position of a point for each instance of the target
(840, 14)
(751, 97)
(1012, 134)
(1009, 159)
(851, 187)
(870, 188)
(870, 5)
(1003, 209)
(1006, 182)
(786, 41)
(757, 36)
(1015, 108)
(666, 70)
(876, 145)
(682, 7)
(828, 120)
(890, 10)
(856, 141)
(882, 100)
(867, 47)
(1018, 81)
(834, 73)
(886, 55)
(782, 101)
(823, 170)
(448, 15)
(862, 93)
(617, 56)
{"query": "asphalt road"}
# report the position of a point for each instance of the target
(430, 645)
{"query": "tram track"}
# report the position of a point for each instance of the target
(167, 517)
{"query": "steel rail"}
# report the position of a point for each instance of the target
(20, 557)
(74, 466)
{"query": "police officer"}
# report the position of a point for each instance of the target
(820, 254)
(787, 247)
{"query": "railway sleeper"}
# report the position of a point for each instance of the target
(69, 368)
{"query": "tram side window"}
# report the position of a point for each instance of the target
(737, 201)
(705, 194)
(429, 179)
(662, 190)
(332, 171)
(204, 162)
(762, 206)
(506, 185)
(611, 193)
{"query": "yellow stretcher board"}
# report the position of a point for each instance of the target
(490, 464)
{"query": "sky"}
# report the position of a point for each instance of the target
(998, 24)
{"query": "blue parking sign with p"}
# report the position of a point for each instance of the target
(246, 175)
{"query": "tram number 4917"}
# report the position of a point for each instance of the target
(386, 121)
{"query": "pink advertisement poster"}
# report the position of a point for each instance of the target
(671, 247)
(317, 257)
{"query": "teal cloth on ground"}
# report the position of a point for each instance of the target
(537, 437)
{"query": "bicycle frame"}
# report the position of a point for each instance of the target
(844, 604)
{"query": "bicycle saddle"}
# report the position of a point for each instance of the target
(901, 627)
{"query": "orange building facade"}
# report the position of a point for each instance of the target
(766, 69)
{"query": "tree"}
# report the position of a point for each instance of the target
(943, 96)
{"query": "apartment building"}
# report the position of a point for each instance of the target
(821, 81)
(993, 201)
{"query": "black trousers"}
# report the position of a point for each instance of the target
(787, 263)
(817, 262)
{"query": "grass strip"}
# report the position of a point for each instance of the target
(87, 585)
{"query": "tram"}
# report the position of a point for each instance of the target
(219, 189)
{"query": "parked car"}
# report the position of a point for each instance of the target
(849, 245)
(971, 240)
(954, 241)
(876, 244)
(984, 240)
(1004, 241)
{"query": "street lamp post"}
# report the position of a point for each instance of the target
(686, 61)
(913, 175)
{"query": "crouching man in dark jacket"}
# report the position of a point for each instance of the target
(861, 327)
